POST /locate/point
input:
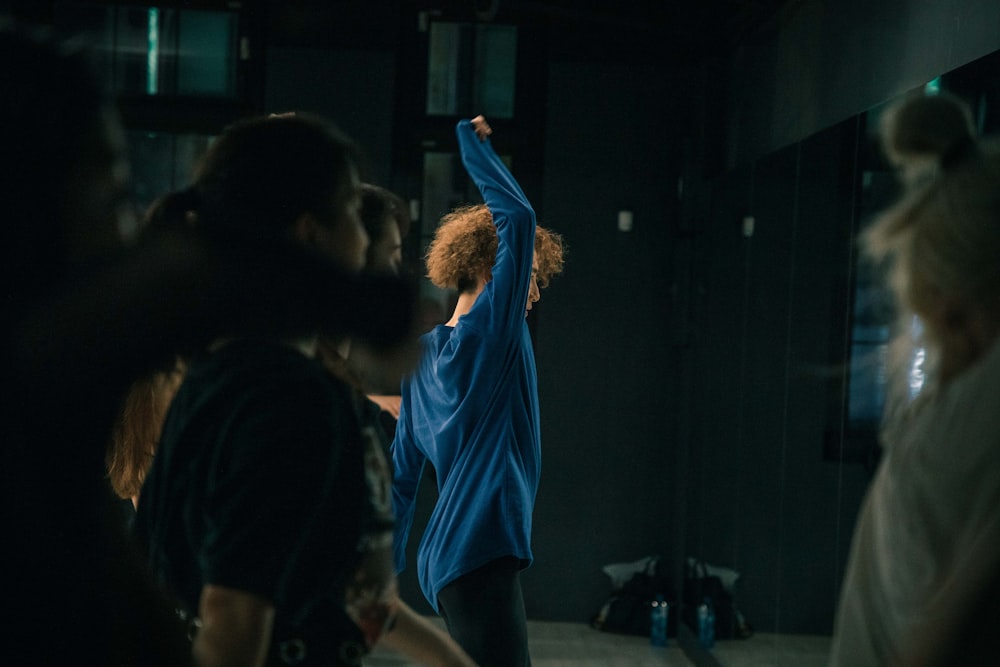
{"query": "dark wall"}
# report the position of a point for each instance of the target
(603, 342)
(353, 87)
(762, 499)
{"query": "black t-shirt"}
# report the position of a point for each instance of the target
(265, 482)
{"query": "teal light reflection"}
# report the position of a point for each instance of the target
(153, 50)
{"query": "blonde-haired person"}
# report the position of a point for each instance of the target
(471, 411)
(927, 536)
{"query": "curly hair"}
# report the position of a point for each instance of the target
(464, 249)
(550, 250)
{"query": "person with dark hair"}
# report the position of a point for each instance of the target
(926, 545)
(471, 410)
(266, 511)
(387, 221)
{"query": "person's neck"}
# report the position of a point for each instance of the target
(463, 306)
(465, 303)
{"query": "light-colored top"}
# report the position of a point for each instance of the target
(931, 513)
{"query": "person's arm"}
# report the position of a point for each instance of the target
(503, 309)
(408, 465)
(235, 628)
(417, 638)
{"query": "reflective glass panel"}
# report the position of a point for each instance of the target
(207, 54)
(158, 51)
(471, 69)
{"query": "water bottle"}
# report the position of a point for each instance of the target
(706, 624)
(658, 622)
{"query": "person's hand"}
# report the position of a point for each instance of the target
(390, 404)
(481, 127)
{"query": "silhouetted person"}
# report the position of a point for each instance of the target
(84, 316)
(75, 592)
(266, 511)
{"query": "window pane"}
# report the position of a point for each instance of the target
(442, 188)
(156, 51)
(145, 53)
(496, 58)
(471, 69)
(449, 53)
(207, 62)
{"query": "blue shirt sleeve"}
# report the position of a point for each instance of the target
(408, 465)
(501, 308)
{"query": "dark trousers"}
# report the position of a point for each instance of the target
(484, 612)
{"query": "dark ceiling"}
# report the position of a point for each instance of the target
(687, 30)
(679, 20)
(671, 31)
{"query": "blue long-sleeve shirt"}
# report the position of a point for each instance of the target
(471, 407)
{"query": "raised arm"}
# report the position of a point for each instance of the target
(507, 291)
(485, 168)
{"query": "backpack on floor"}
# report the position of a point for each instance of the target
(628, 610)
(699, 585)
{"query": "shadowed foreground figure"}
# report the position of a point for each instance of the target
(267, 509)
(83, 317)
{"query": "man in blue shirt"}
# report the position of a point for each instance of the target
(471, 410)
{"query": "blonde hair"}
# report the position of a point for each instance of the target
(941, 240)
(464, 250)
(136, 432)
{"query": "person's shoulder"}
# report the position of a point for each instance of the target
(259, 355)
(255, 367)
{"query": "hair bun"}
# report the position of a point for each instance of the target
(936, 129)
